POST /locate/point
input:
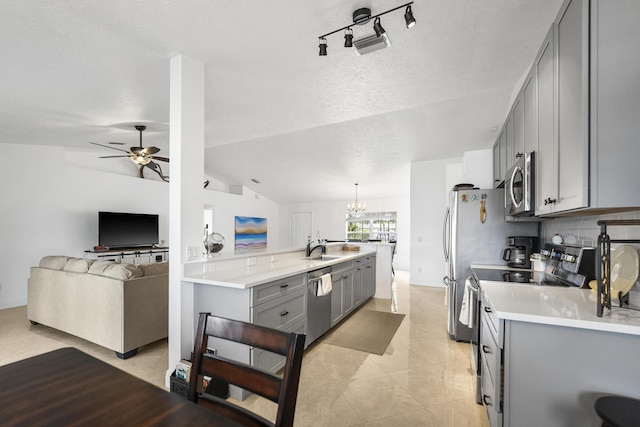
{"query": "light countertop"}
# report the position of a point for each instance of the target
(560, 306)
(247, 277)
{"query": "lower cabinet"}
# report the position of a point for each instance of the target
(353, 283)
(491, 366)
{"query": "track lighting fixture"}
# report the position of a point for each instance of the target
(366, 44)
(348, 37)
(408, 17)
(323, 46)
(377, 27)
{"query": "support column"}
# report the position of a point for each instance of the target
(186, 133)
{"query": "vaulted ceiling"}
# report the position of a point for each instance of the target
(307, 127)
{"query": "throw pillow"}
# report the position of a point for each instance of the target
(99, 267)
(78, 265)
(122, 271)
(155, 268)
(55, 262)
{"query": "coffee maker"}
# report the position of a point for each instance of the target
(519, 250)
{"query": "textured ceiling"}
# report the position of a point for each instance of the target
(307, 127)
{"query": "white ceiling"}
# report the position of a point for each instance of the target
(307, 127)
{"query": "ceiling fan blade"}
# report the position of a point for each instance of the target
(162, 159)
(113, 157)
(106, 146)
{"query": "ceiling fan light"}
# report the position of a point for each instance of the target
(140, 160)
(408, 17)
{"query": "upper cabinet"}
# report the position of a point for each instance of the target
(500, 158)
(546, 159)
(579, 110)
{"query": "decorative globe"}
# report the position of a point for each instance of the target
(214, 243)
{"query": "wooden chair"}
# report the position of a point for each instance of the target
(281, 390)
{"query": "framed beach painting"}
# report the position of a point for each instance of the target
(251, 234)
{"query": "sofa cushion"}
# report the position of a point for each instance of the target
(122, 271)
(54, 262)
(155, 268)
(99, 267)
(78, 265)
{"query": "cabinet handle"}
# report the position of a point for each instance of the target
(487, 400)
(486, 349)
(284, 313)
(487, 309)
(519, 155)
(550, 201)
(284, 286)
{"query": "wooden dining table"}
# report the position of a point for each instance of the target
(67, 387)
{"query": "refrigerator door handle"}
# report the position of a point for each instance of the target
(445, 234)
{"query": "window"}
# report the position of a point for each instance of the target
(372, 226)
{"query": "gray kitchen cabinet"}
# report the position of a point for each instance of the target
(500, 158)
(517, 120)
(545, 161)
(536, 374)
(280, 304)
(353, 283)
(572, 66)
(357, 285)
(497, 178)
(597, 61)
(491, 357)
(530, 111)
(347, 291)
(510, 154)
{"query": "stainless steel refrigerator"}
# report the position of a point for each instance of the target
(474, 231)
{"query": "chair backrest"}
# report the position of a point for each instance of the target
(281, 390)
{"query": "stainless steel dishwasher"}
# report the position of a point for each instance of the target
(318, 307)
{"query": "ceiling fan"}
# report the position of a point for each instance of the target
(142, 156)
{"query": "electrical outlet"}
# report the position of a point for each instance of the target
(274, 258)
(251, 261)
(209, 267)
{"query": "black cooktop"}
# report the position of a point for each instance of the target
(518, 276)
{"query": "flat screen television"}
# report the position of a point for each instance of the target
(118, 230)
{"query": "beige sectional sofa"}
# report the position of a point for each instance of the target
(118, 306)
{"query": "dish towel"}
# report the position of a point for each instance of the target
(324, 285)
(466, 309)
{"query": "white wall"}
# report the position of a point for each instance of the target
(49, 207)
(429, 189)
(329, 218)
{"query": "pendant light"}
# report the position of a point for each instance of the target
(356, 207)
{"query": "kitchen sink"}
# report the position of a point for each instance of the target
(324, 257)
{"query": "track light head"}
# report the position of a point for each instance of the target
(348, 37)
(408, 17)
(323, 46)
(377, 27)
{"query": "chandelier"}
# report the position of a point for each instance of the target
(356, 207)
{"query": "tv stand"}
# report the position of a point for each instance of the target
(138, 255)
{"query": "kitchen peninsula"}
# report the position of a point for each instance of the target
(280, 290)
(548, 357)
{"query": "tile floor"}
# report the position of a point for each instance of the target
(423, 379)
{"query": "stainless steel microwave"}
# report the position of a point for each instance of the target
(519, 187)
